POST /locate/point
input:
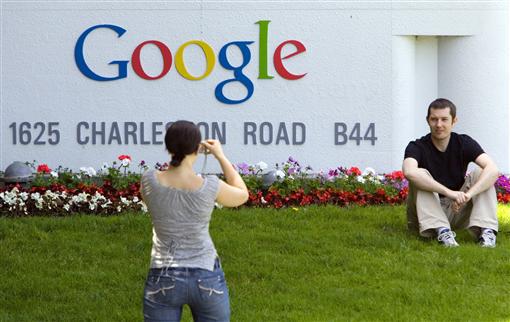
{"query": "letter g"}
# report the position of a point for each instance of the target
(238, 72)
(82, 65)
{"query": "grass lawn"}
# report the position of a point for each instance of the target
(310, 264)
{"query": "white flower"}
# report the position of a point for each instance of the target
(10, 197)
(51, 195)
(125, 162)
(106, 204)
(54, 174)
(261, 165)
(104, 168)
(263, 201)
(135, 199)
(67, 207)
(35, 196)
(38, 199)
(98, 197)
(369, 172)
(279, 174)
(125, 201)
(143, 206)
(373, 179)
(360, 179)
(88, 171)
(79, 198)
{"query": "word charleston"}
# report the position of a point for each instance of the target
(152, 133)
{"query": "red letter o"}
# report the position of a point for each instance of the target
(165, 53)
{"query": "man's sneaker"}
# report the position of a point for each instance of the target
(447, 238)
(487, 238)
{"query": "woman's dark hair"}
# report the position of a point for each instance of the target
(182, 138)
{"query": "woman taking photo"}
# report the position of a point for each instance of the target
(185, 268)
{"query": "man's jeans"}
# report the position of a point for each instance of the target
(168, 289)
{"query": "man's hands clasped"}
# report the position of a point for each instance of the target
(459, 198)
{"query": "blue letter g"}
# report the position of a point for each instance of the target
(80, 60)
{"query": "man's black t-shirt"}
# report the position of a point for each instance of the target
(448, 167)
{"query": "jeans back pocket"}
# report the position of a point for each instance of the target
(158, 288)
(212, 287)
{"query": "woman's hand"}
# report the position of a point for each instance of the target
(214, 147)
(232, 193)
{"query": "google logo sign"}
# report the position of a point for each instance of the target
(209, 56)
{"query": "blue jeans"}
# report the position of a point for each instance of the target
(168, 289)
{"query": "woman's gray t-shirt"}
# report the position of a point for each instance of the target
(180, 220)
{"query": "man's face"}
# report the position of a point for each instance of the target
(441, 123)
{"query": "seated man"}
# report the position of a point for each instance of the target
(441, 197)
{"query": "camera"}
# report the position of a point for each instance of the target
(202, 149)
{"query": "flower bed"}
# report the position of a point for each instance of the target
(295, 185)
(114, 189)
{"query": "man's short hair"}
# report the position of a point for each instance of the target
(442, 103)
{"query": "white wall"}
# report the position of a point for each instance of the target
(364, 64)
(473, 73)
(426, 84)
(404, 95)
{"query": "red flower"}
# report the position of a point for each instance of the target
(381, 192)
(503, 198)
(354, 171)
(396, 175)
(124, 156)
(43, 168)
